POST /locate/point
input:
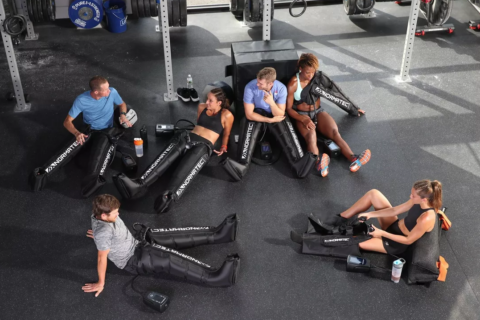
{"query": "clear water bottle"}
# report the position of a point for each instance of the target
(138, 146)
(189, 82)
(397, 270)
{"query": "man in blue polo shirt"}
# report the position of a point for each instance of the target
(265, 98)
(97, 106)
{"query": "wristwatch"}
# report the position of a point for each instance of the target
(124, 113)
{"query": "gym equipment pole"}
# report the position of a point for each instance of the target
(267, 13)
(165, 30)
(21, 106)
(408, 49)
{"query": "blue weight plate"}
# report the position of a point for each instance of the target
(86, 14)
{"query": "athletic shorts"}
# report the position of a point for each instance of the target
(312, 114)
(392, 247)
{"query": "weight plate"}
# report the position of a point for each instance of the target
(39, 10)
(86, 14)
(157, 6)
(134, 9)
(30, 10)
(176, 13)
(170, 17)
(141, 11)
(36, 11)
(51, 10)
(255, 7)
(153, 5)
(183, 13)
(45, 11)
(146, 7)
(349, 6)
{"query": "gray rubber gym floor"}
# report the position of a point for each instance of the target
(425, 129)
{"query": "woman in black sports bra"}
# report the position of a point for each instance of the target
(213, 117)
(394, 235)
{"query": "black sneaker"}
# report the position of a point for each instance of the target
(194, 95)
(184, 94)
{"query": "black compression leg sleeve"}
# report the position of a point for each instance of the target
(248, 140)
(190, 165)
(102, 154)
(188, 237)
(38, 178)
(131, 189)
(323, 86)
(300, 161)
(159, 259)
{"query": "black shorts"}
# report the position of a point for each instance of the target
(132, 263)
(392, 247)
(312, 114)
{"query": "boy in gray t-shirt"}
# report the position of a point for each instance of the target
(112, 238)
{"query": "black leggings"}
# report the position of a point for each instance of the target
(393, 247)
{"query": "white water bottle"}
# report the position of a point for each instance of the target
(397, 270)
(138, 146)
(189, 82)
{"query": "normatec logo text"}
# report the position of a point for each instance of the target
(160, 158)
(332, 98)
(62, 156)
(107, 159)
(180, 229)
(192, 174)
(295, 139)
(247, 140)
(337, 240)
(181, 255)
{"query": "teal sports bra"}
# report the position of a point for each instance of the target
(297, 94)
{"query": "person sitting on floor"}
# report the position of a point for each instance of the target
(195, 147)
(395, 235)
(310, 118)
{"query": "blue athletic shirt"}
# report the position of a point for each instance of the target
(97, 113)
(254, 95)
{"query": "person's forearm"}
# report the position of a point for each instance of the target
(123, 107)
(257, 117)
(225, 139)
(102, 270)
(276, 110)
(294, 114)
(71, 128)
(397, 238)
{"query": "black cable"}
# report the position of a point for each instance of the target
(133, 288)
(15, 25)
(291, 8)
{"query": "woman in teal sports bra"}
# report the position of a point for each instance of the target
(305, 117)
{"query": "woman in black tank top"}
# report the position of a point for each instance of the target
(394, 235)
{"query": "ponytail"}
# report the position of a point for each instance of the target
(430, 190)
(437, 194)
(221, 96)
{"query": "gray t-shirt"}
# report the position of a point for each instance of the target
(116, 237)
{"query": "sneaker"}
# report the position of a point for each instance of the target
(322, 165)
(193, 95)
(360, 160)
(184, 94)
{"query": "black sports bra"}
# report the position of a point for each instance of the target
(412, 216)
(213, 123)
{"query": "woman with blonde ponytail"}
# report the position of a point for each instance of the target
(394, 235)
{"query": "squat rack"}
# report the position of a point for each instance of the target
(170, 95)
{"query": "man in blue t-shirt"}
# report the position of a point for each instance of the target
(266, 94)
(97, 106)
